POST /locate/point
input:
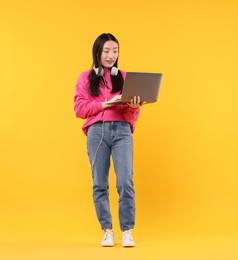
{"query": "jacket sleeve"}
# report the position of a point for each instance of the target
(84, 105)
(131, 114)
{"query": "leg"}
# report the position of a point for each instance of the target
(122, 154)
(99, 155)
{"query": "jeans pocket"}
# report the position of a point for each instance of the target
(124, 130)
(95, 134)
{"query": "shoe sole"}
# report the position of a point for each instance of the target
(108, 245)
(128, 245)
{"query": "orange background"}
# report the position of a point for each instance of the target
(186, 145)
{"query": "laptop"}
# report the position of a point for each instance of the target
(143, 84)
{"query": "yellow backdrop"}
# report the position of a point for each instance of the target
(186, 145)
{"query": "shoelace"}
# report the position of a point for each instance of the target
(127, 235)
(107, 233)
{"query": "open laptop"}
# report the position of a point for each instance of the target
(143, 84)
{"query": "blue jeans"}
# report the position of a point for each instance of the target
(103, 140)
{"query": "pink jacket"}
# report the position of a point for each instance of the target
(90, 107)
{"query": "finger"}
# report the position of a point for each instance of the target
(138, 100)
(134, 100)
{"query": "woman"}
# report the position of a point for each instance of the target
(109, 129)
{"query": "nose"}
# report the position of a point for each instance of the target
(110, 54)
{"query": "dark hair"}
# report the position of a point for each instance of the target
(117, 81)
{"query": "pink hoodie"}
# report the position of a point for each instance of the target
(90, 107)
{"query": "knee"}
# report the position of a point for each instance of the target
(125, 188)
(100, 192)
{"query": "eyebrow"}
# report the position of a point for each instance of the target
(109, 48)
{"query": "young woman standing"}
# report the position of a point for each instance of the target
(109, 129)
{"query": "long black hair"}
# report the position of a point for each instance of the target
(94, 79)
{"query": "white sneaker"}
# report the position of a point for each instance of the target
(108, 239)
(127, 240)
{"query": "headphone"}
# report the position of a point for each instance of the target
(100, 71)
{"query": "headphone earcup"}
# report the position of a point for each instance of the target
(99, 71)
(96, 70)
(114, 71)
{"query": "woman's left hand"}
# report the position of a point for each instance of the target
(135, 102)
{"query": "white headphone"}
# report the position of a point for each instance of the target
(100, 71)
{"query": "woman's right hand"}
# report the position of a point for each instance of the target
(115, 98)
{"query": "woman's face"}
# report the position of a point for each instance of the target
(109, 54)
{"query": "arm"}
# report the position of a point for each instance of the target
(132, 111)
(131, 114)
(84, 105)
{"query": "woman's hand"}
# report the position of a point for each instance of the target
(115, 98)
(135, 102)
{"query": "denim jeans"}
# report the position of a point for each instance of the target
(103, 140)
